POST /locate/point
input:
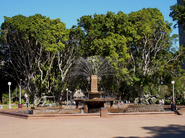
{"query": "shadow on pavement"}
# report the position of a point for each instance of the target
(171, 131)
(127, 137)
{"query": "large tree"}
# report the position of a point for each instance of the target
(31, 45)
(140, 42)
(151, 47)
(104, 35)
(178, 14)
(66, 58)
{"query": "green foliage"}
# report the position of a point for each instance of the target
(105, 36)
(178, 14)
(151, 48)
(38, 39)
(179, 86)
(16, 93)
(157, 101)
(151, 88)
(49, 102)
(5, 98)
(167, 102)
(180, 102)
(12, 106)
(145, 35)
(138, 45)
(139, 42)
(23, 101)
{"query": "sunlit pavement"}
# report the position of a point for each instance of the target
(120, 127)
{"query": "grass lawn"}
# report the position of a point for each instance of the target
(5, 106)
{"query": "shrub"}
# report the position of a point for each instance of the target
(180, 102)
(157, 101)
(167, 102)
(22, 101)
(7, 102)
(5, 98)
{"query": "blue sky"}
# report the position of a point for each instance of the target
(71, 10)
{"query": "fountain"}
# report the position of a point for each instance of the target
(93, 68)
(96, 100)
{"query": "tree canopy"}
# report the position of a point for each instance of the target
(140, 40)
(151, 47)
(42, 51)
(33, 45)
(178, 14)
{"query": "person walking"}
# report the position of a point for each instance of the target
(60, 102)
(27, 102)
(162, 101)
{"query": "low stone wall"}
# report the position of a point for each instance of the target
(104, 114)
(41, 108)
(117, 110)
(57, 111)
(144, 108)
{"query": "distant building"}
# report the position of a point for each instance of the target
(181, 33)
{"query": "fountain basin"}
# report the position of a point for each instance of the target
(57, 111)
(112, 112)
(94, 105)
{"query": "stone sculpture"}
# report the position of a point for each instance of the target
(147, 99)
(41, 102)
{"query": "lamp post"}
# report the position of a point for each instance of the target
(70, 97)
(160, 83)
(67, 95)
(9, 83)
(173, 82)
(20, 92)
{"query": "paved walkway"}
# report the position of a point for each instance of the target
(119, 127)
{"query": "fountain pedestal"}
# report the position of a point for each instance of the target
(96, 100)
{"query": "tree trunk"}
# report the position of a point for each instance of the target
(140, 91)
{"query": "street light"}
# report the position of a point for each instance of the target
(67, 95)
(70, 97)
(9, 83)
(173, 82)
(20, 92)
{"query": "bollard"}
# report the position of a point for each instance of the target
(104, 112)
